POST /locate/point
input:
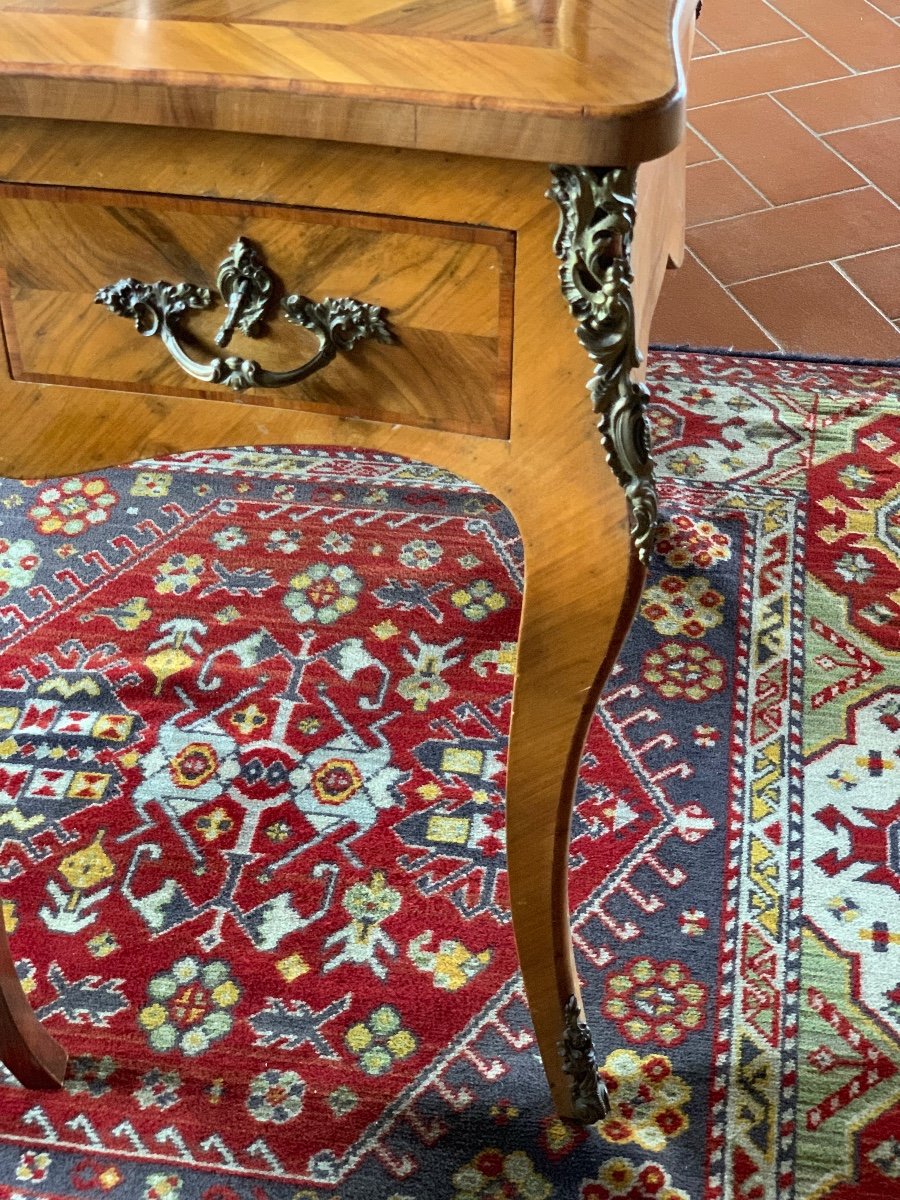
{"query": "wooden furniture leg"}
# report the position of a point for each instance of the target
(587, 532)
(583, 576)
(35, 1058)
(556, 691)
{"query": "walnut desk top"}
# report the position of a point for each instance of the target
(543, 80)
(349, 199)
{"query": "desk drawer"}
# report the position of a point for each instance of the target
(446, 289)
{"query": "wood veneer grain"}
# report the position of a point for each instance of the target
(595, 81)
(447, 289)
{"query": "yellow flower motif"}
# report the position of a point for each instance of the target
(151, 483)
(102, 944)
(358, 1038)
(478, 599)
(647, 1100)
(618, 1177)
(72, 506)
(292, 967)
(152, 1016)
(179, 574)
(380, 1042)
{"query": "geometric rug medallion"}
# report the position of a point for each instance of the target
(253, 716)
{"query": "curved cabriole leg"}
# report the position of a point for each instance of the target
(580, 596)
(558, 680)
(26, 1049)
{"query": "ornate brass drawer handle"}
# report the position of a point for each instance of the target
(248, 288)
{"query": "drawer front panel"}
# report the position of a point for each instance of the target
(447, 290)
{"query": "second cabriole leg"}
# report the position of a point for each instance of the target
(581, 592)
(27, 1050)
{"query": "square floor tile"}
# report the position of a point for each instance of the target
(695, 310)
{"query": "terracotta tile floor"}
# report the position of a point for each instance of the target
(793, 183)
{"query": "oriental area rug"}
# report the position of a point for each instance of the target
(253, 712)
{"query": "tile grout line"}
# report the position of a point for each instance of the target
(750, 212)
(780, 42)
(821, 138)
(881, 10)
(796, 87)
(752, 95)
(857, 288)
(863, 253)
(706, 37)
(753, 46)
(717, 157)
(849, 128)
(864, 186)
(737, 172)
(822, 262)
(818, 137)
(843, 158)
(807, 34)
(746, 311)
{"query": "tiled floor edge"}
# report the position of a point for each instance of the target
(778, 355)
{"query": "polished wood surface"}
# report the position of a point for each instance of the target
(136, 140)
(588, 81)
(580, 591)
(29, 1052)
(447, 290)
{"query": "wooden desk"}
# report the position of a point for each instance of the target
(395, 154)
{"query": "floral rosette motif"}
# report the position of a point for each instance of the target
(158, 1089)
(683, 672)
(647, 1099)
(33, 1166)
(162, 1185)
(686, 542)
(190, 1006)
(493, 1175)
(153, 484)
(683, 607)
(276, 1096)
(421, 555)
(621, 1179)
(179, 574)
(19, 561)
(478, 600)
(89, 1076)
(380, 1041)
(322, 594)
(655, 1001)
(72, 506)
(232, 537)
